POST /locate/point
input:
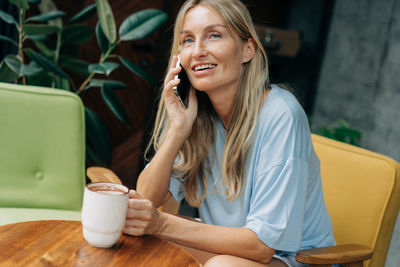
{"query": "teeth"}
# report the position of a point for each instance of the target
(205, 66)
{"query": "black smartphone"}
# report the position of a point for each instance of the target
(182, 89)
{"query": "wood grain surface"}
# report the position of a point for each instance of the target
(61, 243)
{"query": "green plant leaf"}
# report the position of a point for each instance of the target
(40, 29)
(69, 50)
(325, 131)
(35, 1)
(52, 15)
(103, 68)
(47, 6)
(110, 83)
(342, 123)
(97, 136)
(107, 22)
(74, 64)
(36, 37)
(30, 69)
(76, 34)
(112, 101)
(62, 83)
(91, 156)
(45, 63)
(13, 63)
(43, 78)
(47, 52)
(21, 4)
(141, 24)
(101, 39)
(6, 74)
(84, 14)
(137, 70)
(8, 18)
(5, 38)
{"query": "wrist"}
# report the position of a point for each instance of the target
(175, 137)
(162, 224)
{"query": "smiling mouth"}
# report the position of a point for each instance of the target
(204, 67)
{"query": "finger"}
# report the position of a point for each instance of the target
(139, 204)
(143, 215)
(171, 75)
(136, 224)
(134, 194)
(168, 88)
(173, 70)
(134, 231)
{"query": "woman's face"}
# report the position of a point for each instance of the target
(212, 57)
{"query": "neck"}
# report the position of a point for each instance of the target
(222, 101)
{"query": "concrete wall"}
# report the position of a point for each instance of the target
(360, 79)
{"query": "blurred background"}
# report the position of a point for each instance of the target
(341, 58)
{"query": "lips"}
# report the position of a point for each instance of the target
(203, 66)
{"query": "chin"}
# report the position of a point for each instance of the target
(204, 87)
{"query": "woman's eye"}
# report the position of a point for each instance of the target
(187, 41)
(215, 35)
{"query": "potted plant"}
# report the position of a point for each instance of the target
(52, 54)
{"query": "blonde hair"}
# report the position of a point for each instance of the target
(194, 153)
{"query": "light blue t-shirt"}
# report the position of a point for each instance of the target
(281, 198)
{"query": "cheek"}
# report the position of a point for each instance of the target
(185, 59)
(230, 54)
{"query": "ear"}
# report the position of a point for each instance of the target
(249, 49)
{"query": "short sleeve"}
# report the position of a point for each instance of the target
(176, 188)
(277, 205)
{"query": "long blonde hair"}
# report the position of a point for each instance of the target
(194, 153)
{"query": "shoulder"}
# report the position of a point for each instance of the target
(283, 127)
(281, 109)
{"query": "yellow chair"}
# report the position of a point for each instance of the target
(362, 194)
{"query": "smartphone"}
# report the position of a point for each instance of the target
(182, 89)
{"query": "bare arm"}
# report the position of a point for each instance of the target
(144, 219)
(240, 242)
(153, 182)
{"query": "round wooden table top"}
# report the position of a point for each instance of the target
(61, 243)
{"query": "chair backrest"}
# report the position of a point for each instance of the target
(42, 148)
(362, 194)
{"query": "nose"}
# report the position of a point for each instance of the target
(200, 50)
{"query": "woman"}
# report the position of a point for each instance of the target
(241, 151)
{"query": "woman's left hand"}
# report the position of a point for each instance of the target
(142, 217)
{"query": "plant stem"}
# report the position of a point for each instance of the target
(20, 42)
(85, 83)
(57, 55)
(102, 59)
(58, 48)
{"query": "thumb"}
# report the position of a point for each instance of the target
(135, 195)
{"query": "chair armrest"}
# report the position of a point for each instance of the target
(100, 174)
(334, 255)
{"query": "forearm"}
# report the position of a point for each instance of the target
(240, 242)
(153, 182)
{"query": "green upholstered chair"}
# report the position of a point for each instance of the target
(42, 154)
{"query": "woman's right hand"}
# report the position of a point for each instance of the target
(181, 119)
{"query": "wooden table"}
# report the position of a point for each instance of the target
(61, 243)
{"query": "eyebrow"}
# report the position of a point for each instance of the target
(207, 28)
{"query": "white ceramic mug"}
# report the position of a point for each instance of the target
(104, 213)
